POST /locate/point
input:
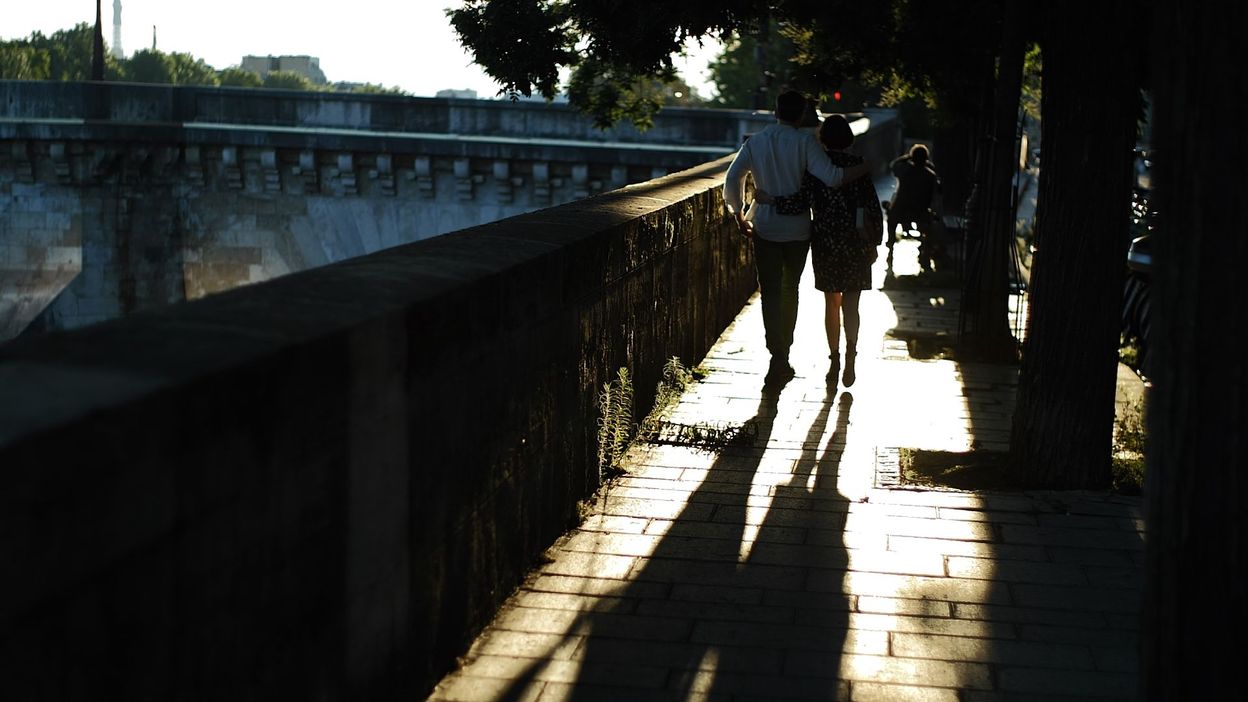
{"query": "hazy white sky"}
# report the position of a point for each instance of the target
(403, 43)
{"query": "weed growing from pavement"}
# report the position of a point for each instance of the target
(676, 378)
(617, 432)
(615, 425)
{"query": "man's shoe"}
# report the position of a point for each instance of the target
(779, 370)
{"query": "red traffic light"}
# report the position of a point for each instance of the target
(836, 96)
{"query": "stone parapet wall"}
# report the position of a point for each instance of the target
(321, 486)
(167, 104)
(90, 230)
(121, 197)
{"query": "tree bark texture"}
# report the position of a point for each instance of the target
(1196, 596)
(984, 323)
(1063, 421)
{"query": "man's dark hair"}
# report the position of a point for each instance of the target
(790, 105)
(918, 154)
(835, 133)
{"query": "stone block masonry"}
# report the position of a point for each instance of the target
(153, 181)
(323, 485)
(288, 210)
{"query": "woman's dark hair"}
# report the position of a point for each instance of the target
(918, 154)
(835, 133)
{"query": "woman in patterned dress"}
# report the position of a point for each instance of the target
(847, 227)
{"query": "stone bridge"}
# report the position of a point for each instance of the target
(119, 197)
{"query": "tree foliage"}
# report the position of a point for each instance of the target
(23, 62)
(239, 77)
(753, 69)
(375, 89)
(66, 55)
(606, 46)
(69, 51)
(154, 66)
(149, 66)
(287, 80)
(610, 96)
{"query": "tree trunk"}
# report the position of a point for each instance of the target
(1063, 421)
(1196, 490)
(953, 151)
(984, 327)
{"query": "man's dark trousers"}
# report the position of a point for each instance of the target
(779, 266)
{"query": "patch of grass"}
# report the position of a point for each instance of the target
(1129, 354)
(987, 470)
(1130, 440)
(965, 470)
(930, 348)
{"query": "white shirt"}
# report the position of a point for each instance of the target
(778, 156)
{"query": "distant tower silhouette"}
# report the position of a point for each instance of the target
(153, 37)
(117, 52)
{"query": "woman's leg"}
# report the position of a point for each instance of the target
(832, 325)
(853, 320)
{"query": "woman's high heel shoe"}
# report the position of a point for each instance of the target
(850, 375)
(834, 369)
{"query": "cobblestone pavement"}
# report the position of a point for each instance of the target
(790, 571)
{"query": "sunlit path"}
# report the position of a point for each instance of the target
(784, 571)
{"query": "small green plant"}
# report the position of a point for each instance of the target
(658, 427)
(676, 378)
(1130, 440)
(616, 430)
(615, 426)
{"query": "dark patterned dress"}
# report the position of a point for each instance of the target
(840, 254)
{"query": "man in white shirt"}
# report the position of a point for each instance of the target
(778, 156)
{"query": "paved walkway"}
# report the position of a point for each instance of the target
(786, 572)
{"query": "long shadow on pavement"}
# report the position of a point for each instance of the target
(715, 622)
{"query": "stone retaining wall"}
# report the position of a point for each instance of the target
(321, 486)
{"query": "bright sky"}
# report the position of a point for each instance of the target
(403, 43)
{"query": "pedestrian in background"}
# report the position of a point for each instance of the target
(914, 203)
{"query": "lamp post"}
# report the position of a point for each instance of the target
(97, 54)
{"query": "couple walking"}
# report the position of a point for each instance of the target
(795, 173)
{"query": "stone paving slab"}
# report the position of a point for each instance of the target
(781, 572)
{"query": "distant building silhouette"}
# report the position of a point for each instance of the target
(453, 93)
(307, 66)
